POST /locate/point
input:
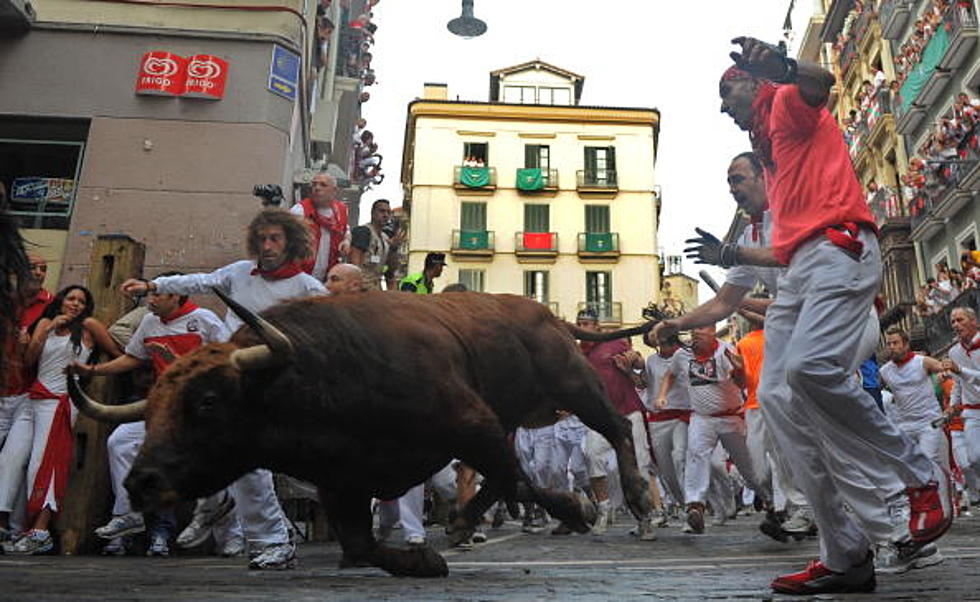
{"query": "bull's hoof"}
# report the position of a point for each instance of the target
(638, 497)
(421, 561)
(459, 532)
(586, 516)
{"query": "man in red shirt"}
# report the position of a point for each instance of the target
(622, 394)
(823, 231)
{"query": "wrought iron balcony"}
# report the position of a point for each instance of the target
(610, 312)
(532, 179)
(886, 204)
(536, 246)
(475, 179)
(598, 247)
(894, 14)
(477, 244)
(596, 180)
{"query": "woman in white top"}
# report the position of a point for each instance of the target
(43, 438)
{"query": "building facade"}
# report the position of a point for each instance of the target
(157, 121)
(534, 194)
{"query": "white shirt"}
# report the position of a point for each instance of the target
(255, 293)
(710, 384)
(323, 251)
(678, 396)
(745, 276)
(966, 384)
(163, 342)
(914, 396)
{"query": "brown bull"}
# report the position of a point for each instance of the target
(369, 395)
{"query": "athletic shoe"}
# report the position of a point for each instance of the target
(124, 524)
(465, 544)
(158, 546)
(601, 522)
(695, 518)
(771, 526)
(799, 522)
(233, 547)
(894, 559)
(646, 530)
(35, 541)
(277, 557)
(931, 510)
(203, 521)
(479, 536)
(415, 541)
(818, 579)
(115, 547)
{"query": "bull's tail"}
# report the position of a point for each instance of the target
(589, 335)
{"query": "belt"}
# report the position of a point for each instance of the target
(734, 412)
(971, 406)
(665, 415)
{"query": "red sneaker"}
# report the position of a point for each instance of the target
(931, 510)
(818, 579)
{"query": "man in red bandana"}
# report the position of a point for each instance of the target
(963, 364)
(328, 224)
(824, 233)
(278, 241)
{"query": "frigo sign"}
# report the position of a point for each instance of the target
(164, 73)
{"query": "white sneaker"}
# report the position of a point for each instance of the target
(659, 519)
(278, 557)
(203, 521)
(602, 521)
(35, 541)
(415, 540)
(124, 524)
(799, 522)
(895, 559)
(646, 530)
(233, 547)
(158, 546)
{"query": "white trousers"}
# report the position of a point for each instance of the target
(721, 493)
(598, 450)
(535, 451)
(769, 465)
(568, 463)
(17, 424)
(931, 441)
(259, 511)
(814, 410)
(669, 440)
(962, 456)
(703, 436)
(42, 417)
(122, 447)
(971, 435)
(408, 508)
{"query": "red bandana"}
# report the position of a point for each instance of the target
(336, 225)
(904, 359)
(183, 310)
(704, 358)
(974, 345)
(286, 270)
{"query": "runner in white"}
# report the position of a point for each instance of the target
(964, 364)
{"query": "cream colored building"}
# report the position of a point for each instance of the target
(581, 229)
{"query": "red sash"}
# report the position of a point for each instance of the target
(665, 415)
(336, 225)
(58, 452)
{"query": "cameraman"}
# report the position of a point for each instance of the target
(327, 218)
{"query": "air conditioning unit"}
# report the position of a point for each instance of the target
(16, 14)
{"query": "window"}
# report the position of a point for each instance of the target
(477, 150)
(600, 165)
(598, 290)
(473, 216)
(536, 285)
(525, 95)
(554, 96)
(597, 218)
(536, 218)
(39, 177)
(537, 155)
(475, 280)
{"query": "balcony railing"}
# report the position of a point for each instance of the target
(894, 14)
(961, 24)
(609, 312)
(536, 246)
(533, 179)
(939, 333)
(908, 117)
(848, 54)
(474, 178)
(598, 246)
(886, 204)
(473, 243)
(601, 180)
(920, 210)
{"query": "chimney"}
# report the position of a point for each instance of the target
(435, 92)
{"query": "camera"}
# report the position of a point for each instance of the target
(271, 194)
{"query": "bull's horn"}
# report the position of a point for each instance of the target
(130, 412)
(278, 349)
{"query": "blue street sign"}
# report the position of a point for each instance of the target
(284, 72)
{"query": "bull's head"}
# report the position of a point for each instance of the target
(200, 436)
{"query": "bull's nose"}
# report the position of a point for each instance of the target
(146, 487)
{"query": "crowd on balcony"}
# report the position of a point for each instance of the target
(367, 159)
(869, 107)
(910, 53)
(948, 284)
(938, 161)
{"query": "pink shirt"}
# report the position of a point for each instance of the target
(619, 387)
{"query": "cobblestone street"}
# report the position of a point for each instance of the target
(729, 562)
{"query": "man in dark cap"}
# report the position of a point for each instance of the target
(422, 282)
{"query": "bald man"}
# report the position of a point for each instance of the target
(344, 279)
(327, 218)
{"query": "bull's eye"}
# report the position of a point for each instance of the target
(207, 403)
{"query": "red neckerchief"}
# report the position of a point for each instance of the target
(904, 359)
(286, 270)
(703, 358)
(336, 224)
(972, 346)
(183, 310)
(756, 222)
(759, 133)
(57, 457)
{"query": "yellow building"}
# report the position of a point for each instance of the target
(534, 194)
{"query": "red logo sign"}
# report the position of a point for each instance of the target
(161, 74)
(206, 76)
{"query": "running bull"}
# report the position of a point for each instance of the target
(368, 395)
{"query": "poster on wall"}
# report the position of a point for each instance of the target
(284, 73)
(164, 73)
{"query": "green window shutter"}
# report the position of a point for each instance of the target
(531, 155)
(473, 216)
(597, 218)
(536, 218)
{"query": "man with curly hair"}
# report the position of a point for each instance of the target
(277, 242)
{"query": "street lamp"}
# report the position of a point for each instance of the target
(466, 25)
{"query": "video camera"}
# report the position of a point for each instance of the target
(271, 194)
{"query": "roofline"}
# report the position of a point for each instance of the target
(522, 66)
